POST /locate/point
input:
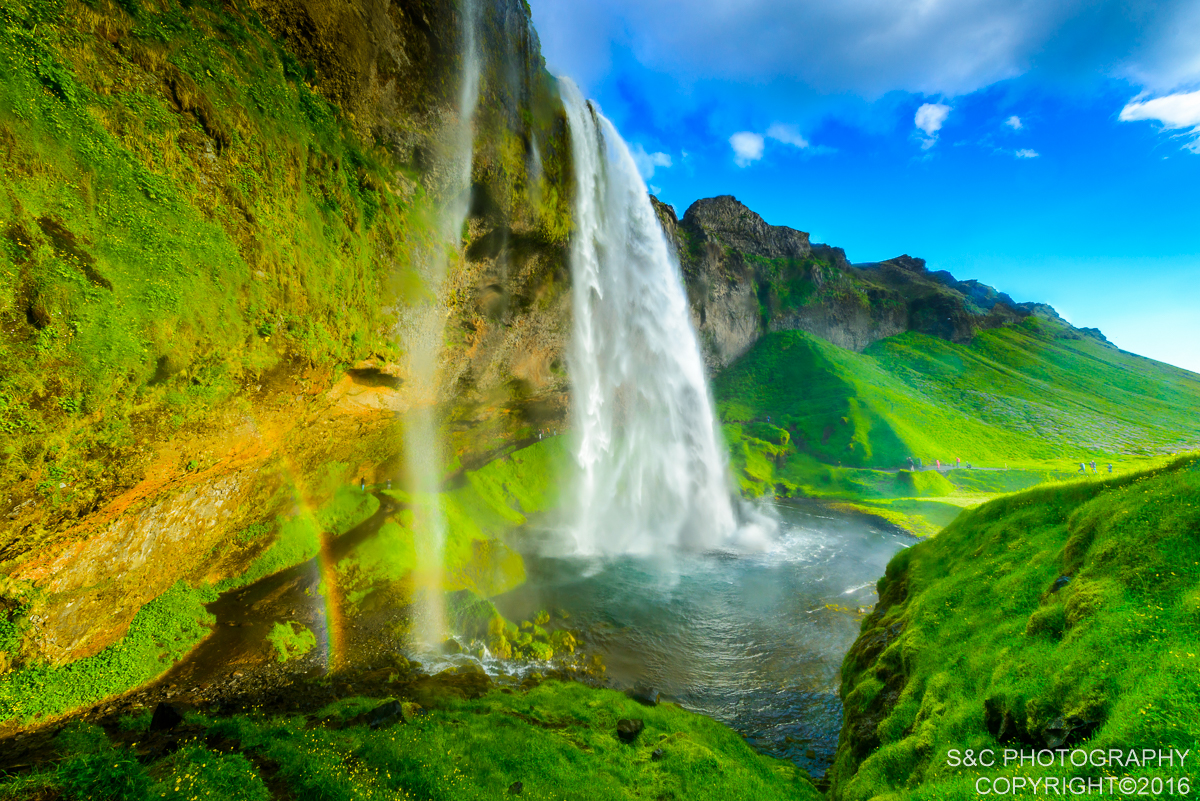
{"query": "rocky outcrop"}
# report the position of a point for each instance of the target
(746, 277)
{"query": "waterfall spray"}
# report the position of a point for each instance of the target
(652, 470)
(426, 329)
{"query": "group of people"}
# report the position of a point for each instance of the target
(915, 464)
(1083, 467)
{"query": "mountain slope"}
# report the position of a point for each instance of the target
(1019, 395)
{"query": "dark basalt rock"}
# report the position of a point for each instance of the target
(1060, 582)
(389, 714)
(643, 695)
(165, 718)
(657, 754)
(628, 730)
(735, 225)
(515, 788)
(1068, 731)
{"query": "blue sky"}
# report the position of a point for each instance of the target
(1049, 148)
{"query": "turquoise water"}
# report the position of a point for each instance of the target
(753, 640)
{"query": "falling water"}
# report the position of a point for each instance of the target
(424, 336)
(652, 471)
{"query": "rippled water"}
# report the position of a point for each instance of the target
(755, 641)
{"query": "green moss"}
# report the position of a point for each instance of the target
(182, 212)
(291, 640)
(557, 739)
(161, 633)
(484, 507)
(973, 620)
(298, 536)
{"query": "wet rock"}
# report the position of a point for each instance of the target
(628, 730)
(657, 754)
(1060, 582)
(451, 647)
(1005, 723)
(165, 718)
(644, 696)
(515, 788)
(389, 714)
(1068, 731)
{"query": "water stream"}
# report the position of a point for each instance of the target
(753, 640)
(652, 472)
(423, 333)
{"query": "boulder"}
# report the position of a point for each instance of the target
(165, 718)
(628, 730)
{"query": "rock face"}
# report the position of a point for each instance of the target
(93, 533)
(746, 277)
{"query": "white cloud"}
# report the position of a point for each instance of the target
(648, 162)
(747, 147)
(930, 116)
(1181, 110)
(871, 47)
(788, 134)
(1026, 153)
(1014, 122)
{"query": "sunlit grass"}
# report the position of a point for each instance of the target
(978, 619)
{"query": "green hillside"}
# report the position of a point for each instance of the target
(1065, 616)
(804, 416)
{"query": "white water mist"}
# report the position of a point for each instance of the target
(652, 470)
(425, 335)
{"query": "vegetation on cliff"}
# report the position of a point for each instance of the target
(182, 212)
(1064, 616)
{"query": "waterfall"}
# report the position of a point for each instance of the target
(424, 336)
(652, 470)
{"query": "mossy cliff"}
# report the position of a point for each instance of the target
(1062, 617)
(213, 217)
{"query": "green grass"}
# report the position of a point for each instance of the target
(557, 739)
(162, 631)
(971, 617)
(1019, 396)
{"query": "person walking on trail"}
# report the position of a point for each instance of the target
(1094, 470)
(1110, 467)
(957, 462)
(939, 464)
(1082, 468)
(362, 484)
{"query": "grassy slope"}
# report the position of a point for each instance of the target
(1021, 396)
(971, 616)
(558, 740)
